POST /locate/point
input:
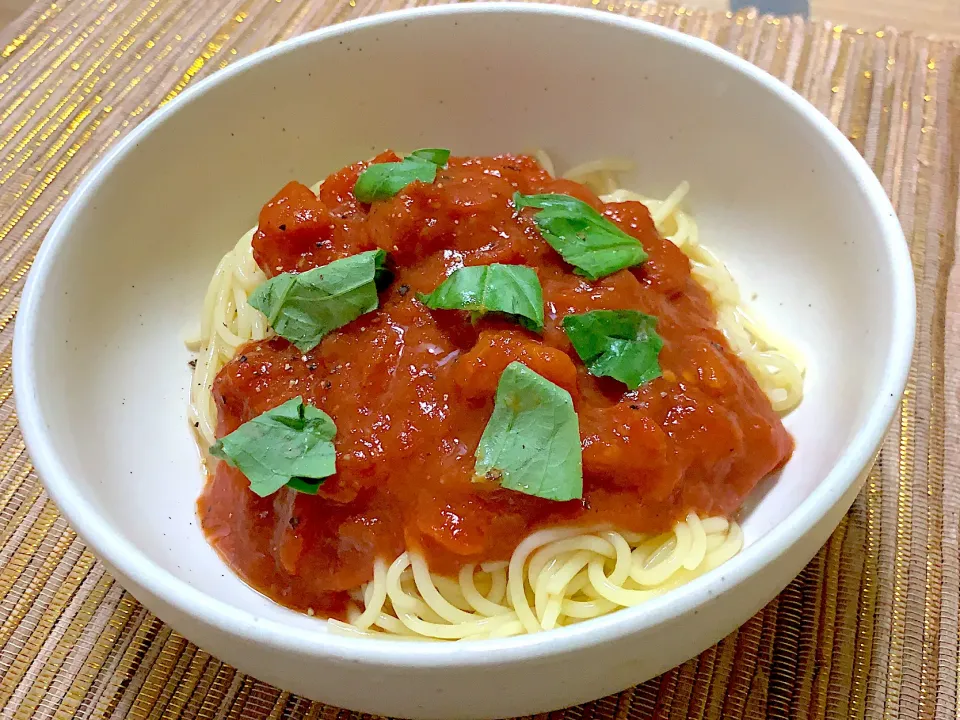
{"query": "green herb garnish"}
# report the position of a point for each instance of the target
(304, 307)
(532, 442)
(513, 290)
(384, 180)
(622, 344)
(583, 237)
(438, 156)
(292, 445)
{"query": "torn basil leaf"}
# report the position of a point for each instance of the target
(622, 344)
(583, 237)
(438, 156)
(532, 442)
(384, 180)
(304, 307)
(307, 487)
(292, 445)
(513, 290)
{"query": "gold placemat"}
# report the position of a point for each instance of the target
(868, 630)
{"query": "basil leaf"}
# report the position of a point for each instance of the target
(532, 442)
(438, 156)
(513, 290)
(304, 486)
(292, 445)
(304, 307)
(622, 344)
(383, 274)
(384, 180)
(583, 237)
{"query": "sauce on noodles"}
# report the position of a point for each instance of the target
(411, 390)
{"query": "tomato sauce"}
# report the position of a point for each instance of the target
(411, 390)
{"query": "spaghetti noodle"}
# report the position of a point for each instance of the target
(556, 576)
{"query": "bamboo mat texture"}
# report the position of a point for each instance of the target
(868, 630)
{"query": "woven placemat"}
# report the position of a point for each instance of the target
(868, 630)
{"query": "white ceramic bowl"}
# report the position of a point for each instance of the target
(101, 374)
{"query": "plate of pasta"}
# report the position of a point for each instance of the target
(648, 397)
(437, 395)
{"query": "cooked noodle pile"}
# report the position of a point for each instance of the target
(557, 576)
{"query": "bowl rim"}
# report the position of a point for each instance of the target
(134, 566)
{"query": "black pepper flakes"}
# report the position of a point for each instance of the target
(634, 407)
(294, 522)
(327, 384)
(192, 363)
(403, 290)
(243, 358)
(283, 226)
(312, 367)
